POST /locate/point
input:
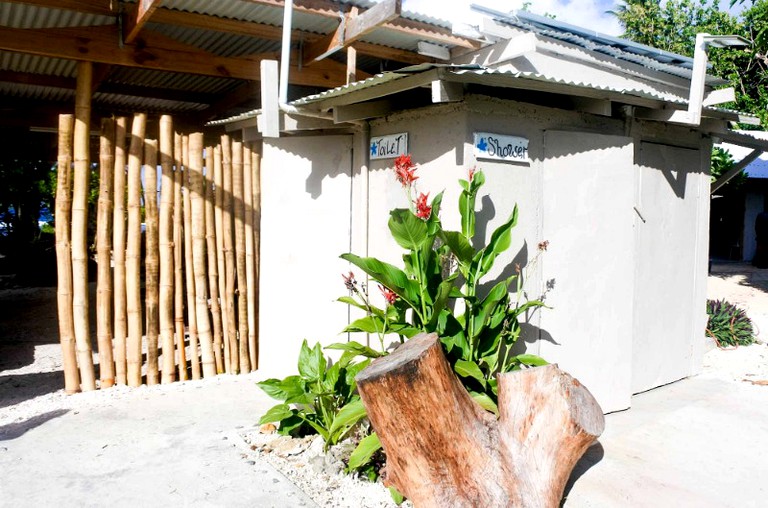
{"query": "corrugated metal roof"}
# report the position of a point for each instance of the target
(173, 80)
(218, 43)
(20, 62)
(44, 93)
(29, 16)
(146, 104)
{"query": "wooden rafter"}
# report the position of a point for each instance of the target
(352, 27)
(100, 45)
(137, 18)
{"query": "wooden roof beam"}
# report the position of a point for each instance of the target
(352, 27)
(137, 17)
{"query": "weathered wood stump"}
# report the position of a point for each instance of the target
(443, 449)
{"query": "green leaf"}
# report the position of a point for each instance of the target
(347, 416)
(470, 369)
(368, 324)
(389, 275)
(485, 402)
(311, 362)
(490, 303)
(332, 377)
(500, 241)
(409, 231)
(354, 303)
(477, 180)
(532, 360)
(364, 451)
(276, 414)
(441, 300)
(527, 305)
(397, 497)
(467, 211)
(282, 389)
(353, 370)
(357, 348)
(459, 245)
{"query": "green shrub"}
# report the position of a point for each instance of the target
(728, 324)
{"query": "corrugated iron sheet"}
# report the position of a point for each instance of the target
(44, 93)
(145, 104)
(20, 62)
(16, 15)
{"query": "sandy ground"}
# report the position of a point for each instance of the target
(182, 444)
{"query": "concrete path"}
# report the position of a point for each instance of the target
(174, 445)
(701, 442)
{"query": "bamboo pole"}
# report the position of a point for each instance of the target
(250, 273)
(152, 261)
(80, 224)
(133, 251)
(118, 247)
(213, 266)
(104, 254)
(189, 270)
(238, 192)
(166, 249)
(64, 256)
(178, 255)
(222, 283)
(198, 252)
(256, 165)
(229, 252)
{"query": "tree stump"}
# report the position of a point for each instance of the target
(443, 449)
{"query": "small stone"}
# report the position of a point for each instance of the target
(251, 462)
(268, 428)
(275, 480)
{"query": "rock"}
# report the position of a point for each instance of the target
(286, 446)
(268, 428)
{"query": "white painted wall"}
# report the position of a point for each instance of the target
(306, 184)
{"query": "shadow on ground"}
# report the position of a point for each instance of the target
(18, 429)
(751, 276)
(592, 456)
(16, 388)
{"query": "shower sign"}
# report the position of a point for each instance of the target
(389, 146)
(501, 147)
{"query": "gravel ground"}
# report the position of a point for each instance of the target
(31, 392)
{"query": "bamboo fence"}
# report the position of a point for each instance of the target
(176, 248)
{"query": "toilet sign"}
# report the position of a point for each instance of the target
(501, 147)
(389, 146)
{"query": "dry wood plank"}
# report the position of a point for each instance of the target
(238, 191)
(178, 256)
(104, 254)
(118, 245)
(256, 189)
(63, 209)
(212, 257)
(137, 18)
(189, 264)
(229, 253)
(80, 193)
(443, 449)
(250, 271)
(218, 181)
(166, 250)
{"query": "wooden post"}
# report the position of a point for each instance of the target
(198, 252)
(256, 165)
(152, 261)
(189, 269)
(443, 449)
(118, 247)
(229, 253)
(218, 181)
(238, 191)
(166, 249)
(104, 254)
(133, 251)
(80, 224)
(351, 64)
(213, 266)
(250, 272)
(178, 256)
(64, 256)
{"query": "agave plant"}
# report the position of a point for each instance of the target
(728, 324)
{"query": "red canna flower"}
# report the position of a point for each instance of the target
(543, 245)
(389, 295)
(404, 170)
(349, 281)
(423, 210)
(471, 173)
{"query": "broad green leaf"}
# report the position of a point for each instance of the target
(311, 362)
(527, 305)
(404, 329)
(354, 303)
(467, 211)
(478, 180)
(276, 414)
(500, 241)
(331, 377)
(443, 293)
(389, 275)
(498, 293)
(465, 368)
(532, 360)
(368, 324)
(282, 389)
(347, 416)
(397, 497)
(364, 451)
(433, 224)
(485, 402)
(409, 231)
(459, 245)
(353, 370)
(357, 348)
(315, 425)
(291, 426)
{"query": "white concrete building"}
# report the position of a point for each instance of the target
(615, 178)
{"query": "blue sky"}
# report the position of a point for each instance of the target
(585, 13)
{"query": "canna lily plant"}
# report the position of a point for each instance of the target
(443, 268)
